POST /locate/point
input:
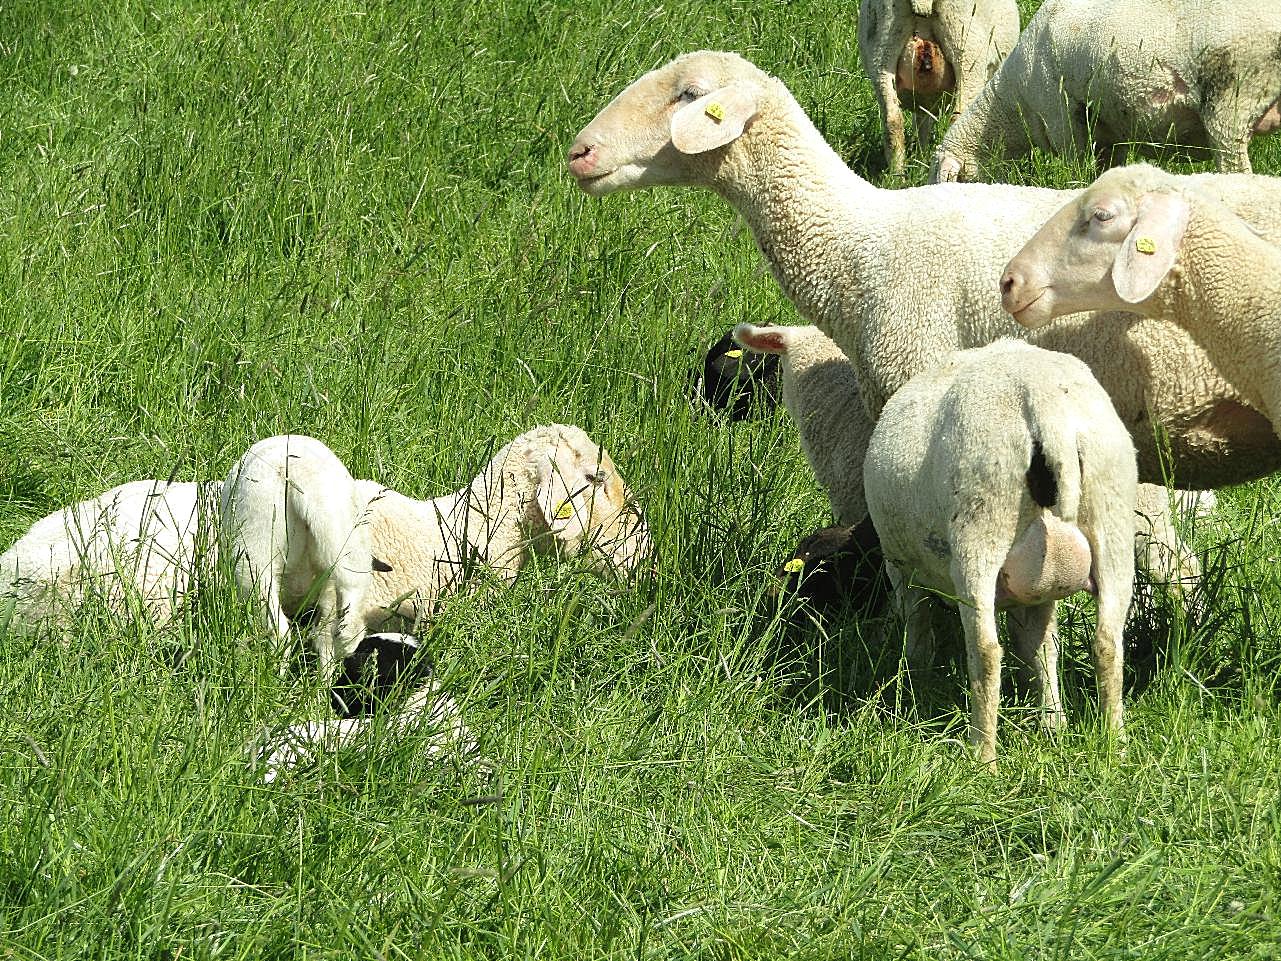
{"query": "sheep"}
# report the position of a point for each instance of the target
(1199, 73)
(1142, 240)
(138, 547)
(379, 664)
(1004, 478)
(820, 392)
(550, 491)
(738, 384)
(291, 522)
(305, 741)
(901, 278)
(923, 49)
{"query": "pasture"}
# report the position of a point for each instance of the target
(221, 222)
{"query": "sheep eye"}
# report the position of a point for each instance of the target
(597, 477)
(1103, 215)
(687, 95)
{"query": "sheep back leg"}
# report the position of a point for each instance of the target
(1228, 134)
(983, 658)
(892, 115)
(1034, 631)
(1114, 576)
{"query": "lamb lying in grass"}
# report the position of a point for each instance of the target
(1004, 478)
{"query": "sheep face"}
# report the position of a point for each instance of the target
(1108, 249)
(588, 511)
(667, 127)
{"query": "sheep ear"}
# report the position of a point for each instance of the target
(763, 340)
(1151, 248)
(714, 120)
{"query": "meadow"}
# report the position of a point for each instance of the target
(223, 221)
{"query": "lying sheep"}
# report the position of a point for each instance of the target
(380, 664)
(1198, 73)
(820, 392)
(1004, 478)
(291, 520)
(834, 565)
(550, 491)
(738, 384)
(1141, 240)
(901, 278)
(137, 547)
(920, 50)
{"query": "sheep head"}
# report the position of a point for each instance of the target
(1109, 248)
(670, 126)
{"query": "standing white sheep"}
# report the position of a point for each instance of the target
(901, 278)
(1199, 73)
(551, 491)
(921, 50)
(292, 523)
(1004, 478)
(1142, 240)
(137, 547)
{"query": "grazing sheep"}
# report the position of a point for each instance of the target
(920, 50)
(737, 383)
(304, 742)
(550, 491)
(291, 523)
(1140, 239)
(1004, 478)
(137, 547)
(901, 278)
(1199, 73)
(379, 664)
(820, 392)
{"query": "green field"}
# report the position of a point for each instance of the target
(352, 220)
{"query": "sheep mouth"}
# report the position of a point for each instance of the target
(1028, 317)
(592, 182)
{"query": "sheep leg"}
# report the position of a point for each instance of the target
(983, 657)
(1034, 631)
(892, 114)
(1114, 574)
(1229, 137)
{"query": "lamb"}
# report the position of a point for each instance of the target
(1004, 478)
(551, 491)
(863, 264)
(292, 521)
(820, 392)
(379, 664)
(924, 49)
(738, 384)
(1198, 73)
(139, 547)
(1142, 240)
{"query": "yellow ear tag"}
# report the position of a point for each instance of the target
(734, 353)
(715, 111)
(565, 511)
(1145, 245)
(794, 566)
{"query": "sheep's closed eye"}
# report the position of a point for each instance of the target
(1102, 215)
(597, 477)
(688, 95)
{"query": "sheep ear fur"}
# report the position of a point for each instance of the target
(1152, 246)
(714, 119)
(763, 340)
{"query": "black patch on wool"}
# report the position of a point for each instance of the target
(1041, 482)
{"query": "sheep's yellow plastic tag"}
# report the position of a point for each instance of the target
(1145, 245)
(794, 566)
(565, 511)
(715, 111)
(734, 353)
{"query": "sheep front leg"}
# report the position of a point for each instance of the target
(1228, 134)
(983, 657)
(1034, 631)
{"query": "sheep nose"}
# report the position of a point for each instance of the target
(1011, 289)
(582, 158)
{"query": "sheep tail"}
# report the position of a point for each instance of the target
(923, 8)
(1053, 475)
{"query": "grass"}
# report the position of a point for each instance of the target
(221, 222)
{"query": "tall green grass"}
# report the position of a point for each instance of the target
(220, 222)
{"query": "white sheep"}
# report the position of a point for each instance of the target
(901, 278)
(919, 50)
(820, 392)
(137, 547)
(1141, 240)
(1198, 73)
(1004, 478)
(550, 491)
(291, 523)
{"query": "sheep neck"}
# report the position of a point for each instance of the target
(1227, 294)
(807, 210)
